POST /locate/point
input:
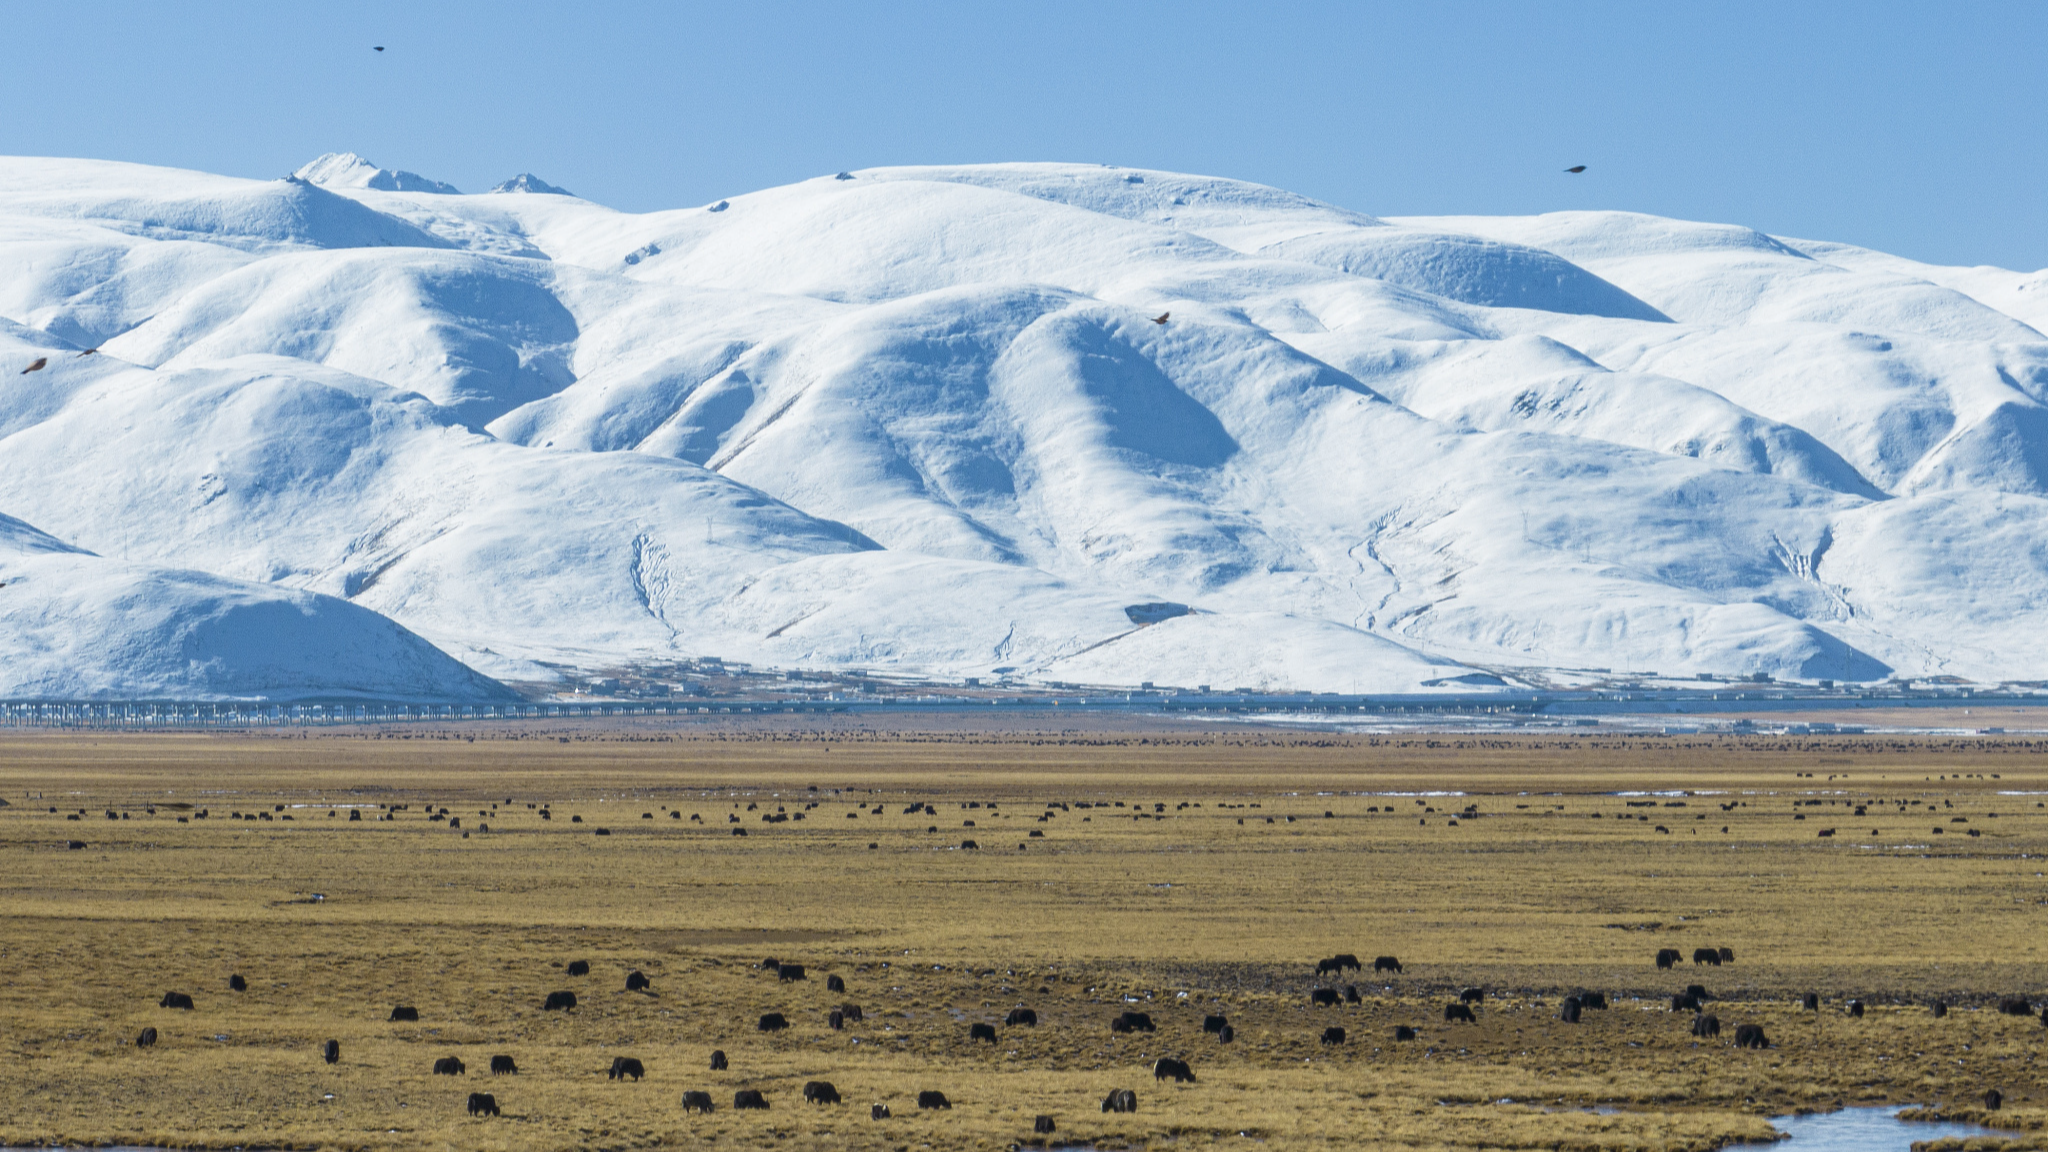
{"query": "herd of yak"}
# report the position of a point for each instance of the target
(1693, 999)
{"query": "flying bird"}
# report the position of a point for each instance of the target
(377, 47)
(90, 352)
(1161, 318)
(1576, 168)
(37, 366)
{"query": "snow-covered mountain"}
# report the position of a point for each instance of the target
(348, 170)
(75, 626)
(925, 420)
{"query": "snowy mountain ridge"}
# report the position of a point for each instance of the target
(928, 420)
(348, 170)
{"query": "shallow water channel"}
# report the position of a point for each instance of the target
(1849, 1130)
(1868, 1130)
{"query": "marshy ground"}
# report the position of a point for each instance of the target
(1181, 873)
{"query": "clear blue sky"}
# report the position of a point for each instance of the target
(1918, 128)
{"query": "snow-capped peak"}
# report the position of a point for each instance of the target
(348, 170)
(528, 182)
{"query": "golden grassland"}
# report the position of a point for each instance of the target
(1207, 875)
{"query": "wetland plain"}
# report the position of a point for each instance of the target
(1182, 873)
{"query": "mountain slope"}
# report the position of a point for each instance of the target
(928, 419)
(75, 626)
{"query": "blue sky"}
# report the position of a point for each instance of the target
(1920, 129)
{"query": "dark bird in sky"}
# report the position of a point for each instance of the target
(1161, 318)
(37, 366)
(1576, 168)
(377, 47)
(90, 352)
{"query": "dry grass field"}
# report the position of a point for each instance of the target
(1183, 873)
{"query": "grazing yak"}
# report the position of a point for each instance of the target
(449, 1066)
(718, 1060)
(933, 1100)
(772, 1022)
(175, 1000)
(835, 1020)
(747, 1098)
(1685, 1002)
(405, 1012)
(147, 1039)
(331, 1051)
(1568, 1011)
(503, 1066)
(1993, 1100)
(483, 1104)
(1324, 997)
(1706, 956)
(624, 1066)
(559, 1002)
(1591, 999)
(1856, 1008)
(1666, 957)
(1024, 1017)
(1351, 994)
(1226, 1034)
(1333, 1035)
(1940, 1009)
(852, 1011)
(1810, 1002)
(878, 1112)
(790, 972)
(1403, 1032)
(1472, 995)
(1044, 1126)
(820, 1092)
(637, 981)
(834, 984)
(579, 967)
(1751, 1036)
(1704, 1026)
(2015, 1008)
(696, 1102)
(1386, 964)
(237, 984)
(1463, 1012)
(1120, 1100)
(1697, 992)
(1214, 1023)
(1167, 1066)
(981, 1032)
(1132, 1022)
(1727, 955)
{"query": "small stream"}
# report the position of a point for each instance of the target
(1869, 1130)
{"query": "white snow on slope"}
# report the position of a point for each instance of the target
(75, 626)
(922, 420)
